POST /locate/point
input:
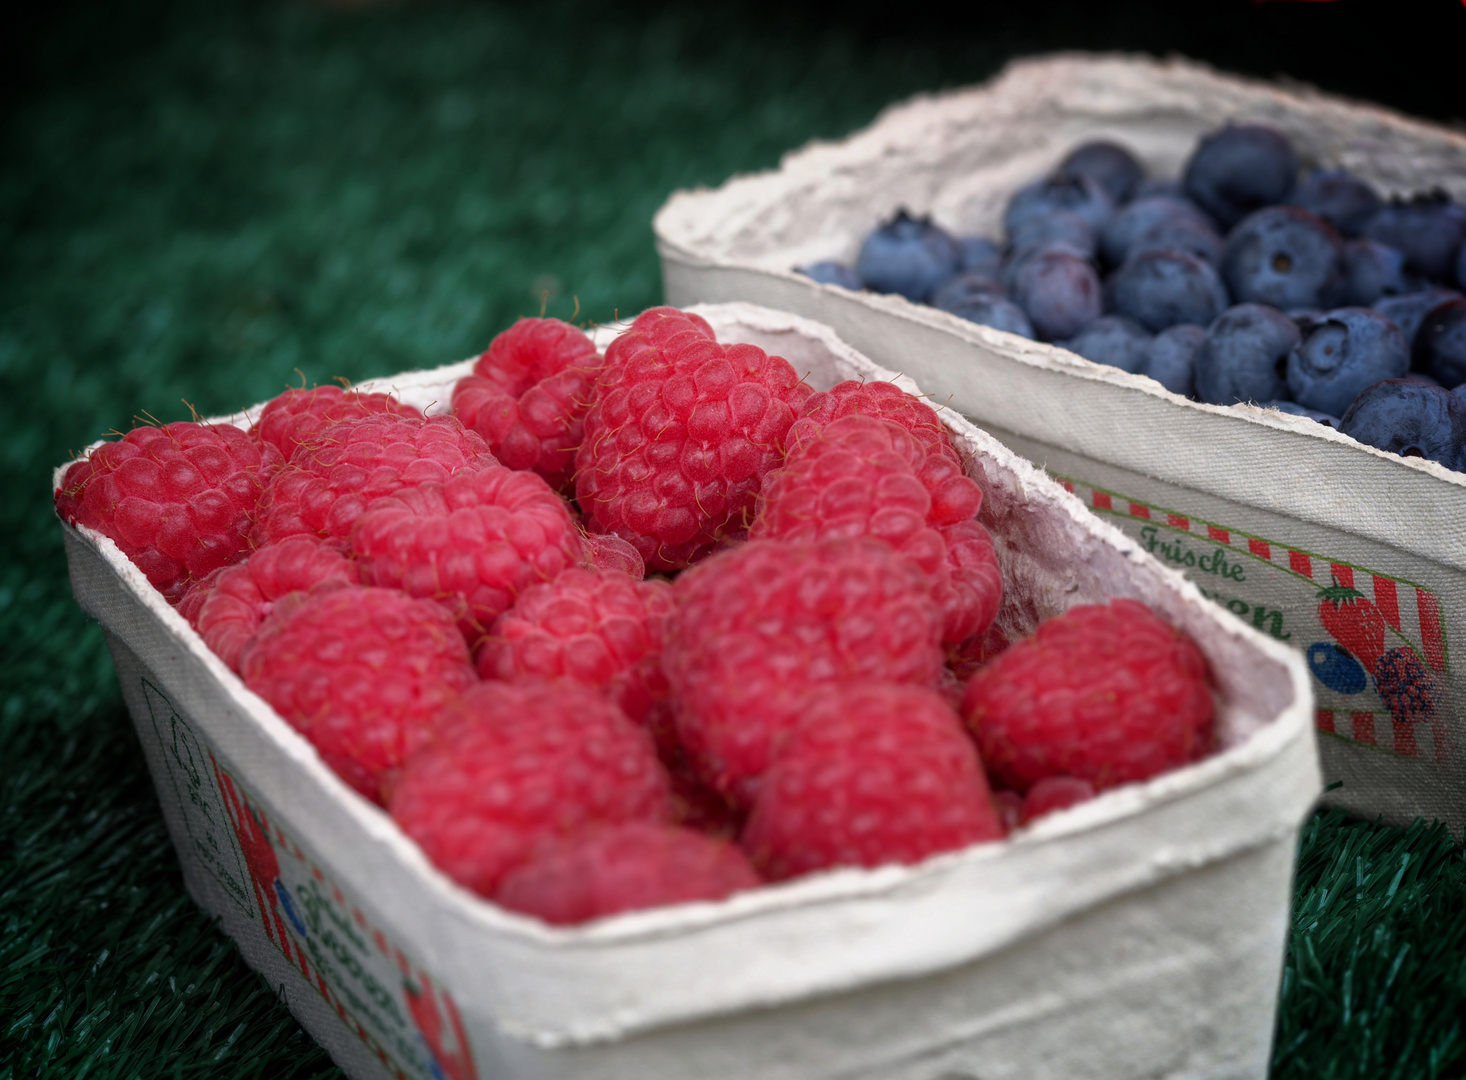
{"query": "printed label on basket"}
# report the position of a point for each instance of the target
(1376, 644)
(393, 1007)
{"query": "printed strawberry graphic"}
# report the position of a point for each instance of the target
(1353, 622)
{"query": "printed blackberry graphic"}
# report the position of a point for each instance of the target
(1406, 687)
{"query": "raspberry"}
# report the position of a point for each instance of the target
(351, 465)
(864, 476)
(516, 764)
(874, 773)
(603, 631)
(883, 400)
(1108, 693)
(680, 436)
(176, 499)
(528, 394)
(297, 417)
(362, 673)
(609, 554)
(242, 597)
(1055, 793)
(606, 870)
(473, 543)
(762, 626)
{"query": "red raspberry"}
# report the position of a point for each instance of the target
(762, 626)
(609, 869)
(516, 764)
(363, 673)
(609, 554)
(528, 394)
(680, 436)
(874, 773)
(176, 499)
(296, 417)
(1055, 793)
(351, 465)
(864, 476)
(1108, 693)
(603, 631)
(473, 544)
(242, 597)
(884, 400)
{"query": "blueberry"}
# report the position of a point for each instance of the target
(1440, 346)
(1411, 419)
(1109, 165)
(1244, 356)
(1372, 270)
(1336, 669)
(1162, 288)
(1146, 188)
(1059, 291)
(1427, 228)
(1077, 194)
(1144, 214)
(1292, 408)
(1113, 340)
(1340, 198)
(1180, 234)
(1461, 266)
(1409, 311)
(979, 253)
(1422, 377)
(1342, 353)
(963, 287)
(833, 273)
(1170, 359)
(1285, 257)
(995, 310)
(1015, 259)
(1239, 169)
(907, 255)
(1063, 226)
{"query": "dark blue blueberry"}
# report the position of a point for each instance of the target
(1440, 346)
(1410, 418)
(1245, 355)
(1372, 270)
(1409, 311)
(1113, 340)
(1292, 408)
(1162, 288)
(979, 253)
(1170, 359)
(1427, 228)
(909, 256)
(1336, 669)
(1015, 259)
(1461, 266)
(995, 310)
(1460, 392)
(1240, 169)
(1340, 198)
(1109, 165)
(1077, 194)
(1342, 353)
(1149, 187)
(1285, 257)
(1061, 226)
(1059, 291)
(963, 287)
(1144, 214)
(833, 273)
(1181, 234)
(1422, 377)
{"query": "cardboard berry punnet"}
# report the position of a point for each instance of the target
(1281, 520)
(1139, 933)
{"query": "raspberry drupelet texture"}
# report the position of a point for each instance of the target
(517, 764)
(1106, 693)
(680, 436)
(602, 630)
(873, 773)
(177, 499)
(473, 543)
(528, 395)
(763, 626)
(350, 465)
(364, 674)
(605, 870)
(240, 598)
(296, 417)
(884, 400)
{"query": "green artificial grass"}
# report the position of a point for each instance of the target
(198, 200)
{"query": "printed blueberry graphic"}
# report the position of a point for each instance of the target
(289, 905)
(1335, 668)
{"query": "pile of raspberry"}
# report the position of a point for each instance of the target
(455, 611)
